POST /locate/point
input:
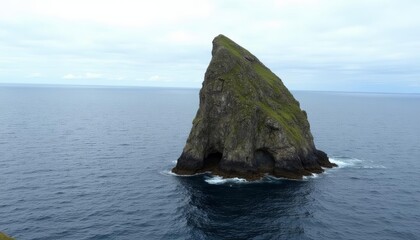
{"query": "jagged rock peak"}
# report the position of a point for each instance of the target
(248, 123)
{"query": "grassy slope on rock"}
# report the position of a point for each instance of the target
(279, 104)
(3, 236)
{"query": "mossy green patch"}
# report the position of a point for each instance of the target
(245, 88)
(267, 75)
(231, 46)
(286, 118)
(273, 81)
(5, 237)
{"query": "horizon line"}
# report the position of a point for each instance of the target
(64, 85)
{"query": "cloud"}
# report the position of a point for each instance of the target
(122, 13)
(154, 78)
(310, 44)
(35, 75)
(93, 75)
(87, 75)
(70, 76)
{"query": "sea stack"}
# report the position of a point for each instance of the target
(248, 124)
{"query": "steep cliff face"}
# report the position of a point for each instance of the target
(248, 123)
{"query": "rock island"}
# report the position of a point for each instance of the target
(248, 124)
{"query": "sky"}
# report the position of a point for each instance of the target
(322, 45)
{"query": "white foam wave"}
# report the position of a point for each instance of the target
(342, 162)
(374, 166)
(219, 180)
(345, 162)
(170, 173)
(314, 175)
(273, 179)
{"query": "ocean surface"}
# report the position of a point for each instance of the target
(94, 163)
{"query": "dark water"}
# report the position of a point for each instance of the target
(92, 163)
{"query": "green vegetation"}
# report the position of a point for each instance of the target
(5, 237)
(197, 119)
(286, 118)
(247, 79)
(267, 75)
(234, 48)
(274, 81)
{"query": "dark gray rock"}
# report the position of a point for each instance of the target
(248, 123)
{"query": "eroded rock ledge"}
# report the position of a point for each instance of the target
(248, 123)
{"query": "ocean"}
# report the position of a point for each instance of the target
(94, 163)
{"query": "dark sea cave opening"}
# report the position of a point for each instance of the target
(264, 161)
(212, 160)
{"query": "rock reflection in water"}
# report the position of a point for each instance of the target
(249, 210)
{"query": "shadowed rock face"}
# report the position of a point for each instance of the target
(248, 123)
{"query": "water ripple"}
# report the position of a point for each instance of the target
(86, 163)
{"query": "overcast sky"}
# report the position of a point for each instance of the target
(326, 45)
